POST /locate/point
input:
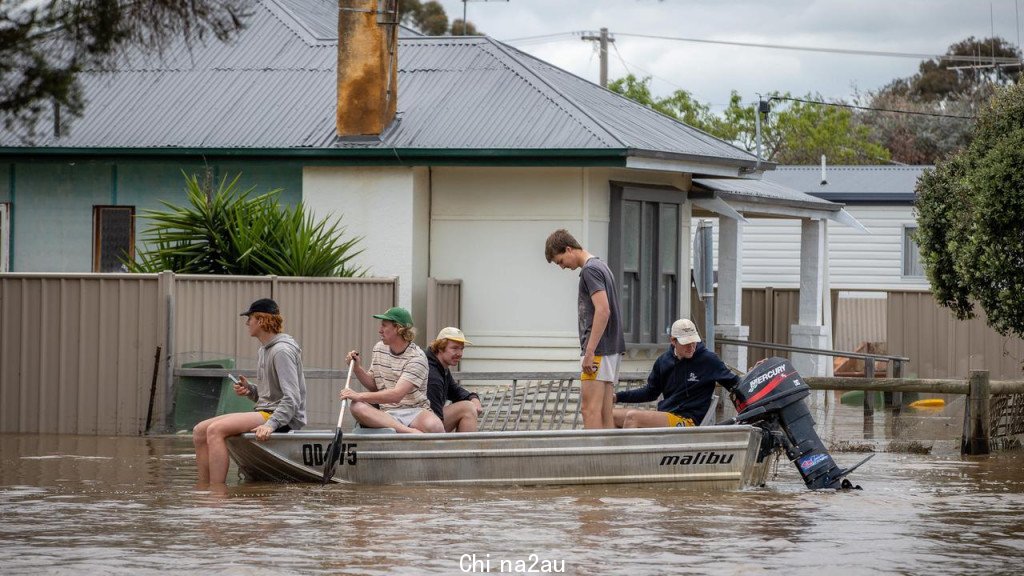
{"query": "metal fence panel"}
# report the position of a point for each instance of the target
(940, 346)
(444, 305)
(77, 351)
(74, 350)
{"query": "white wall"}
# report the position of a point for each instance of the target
(771, 255)
(389, 208)
(488, 228)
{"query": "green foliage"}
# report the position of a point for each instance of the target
(793, 133)
(970, 228)
(231, 231)
(680, 105)
(430, 18)
(44, 46)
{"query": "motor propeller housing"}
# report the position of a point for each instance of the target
(771, 396)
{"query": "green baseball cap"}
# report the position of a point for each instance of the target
(397, 315)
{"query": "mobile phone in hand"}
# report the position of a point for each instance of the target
(234, 379)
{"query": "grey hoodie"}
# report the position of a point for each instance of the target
(280, 386)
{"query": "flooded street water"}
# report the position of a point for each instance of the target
(75, 505)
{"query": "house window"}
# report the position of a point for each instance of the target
(911, 254)
(644, 256)
(5, 236)
(113, 237)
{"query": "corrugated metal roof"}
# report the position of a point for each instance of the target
(851, 183)
(767, 191)
(274, 87)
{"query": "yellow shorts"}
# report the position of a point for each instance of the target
(607, 369)
(266, 415)
(679, 421)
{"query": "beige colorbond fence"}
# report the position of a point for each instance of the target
(915, 326)
(77, 350)
(940, 346)
(444, 306)
(769, 312)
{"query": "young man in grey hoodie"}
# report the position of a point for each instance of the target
(279, 394)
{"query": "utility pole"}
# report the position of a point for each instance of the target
(603, 38)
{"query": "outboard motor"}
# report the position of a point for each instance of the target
(771, 397)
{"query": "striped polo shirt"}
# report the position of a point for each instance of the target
(387, 369)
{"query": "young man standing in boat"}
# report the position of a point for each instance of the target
(684, 377)
(445, 352)
(396, 380)
(279, 394)
(600, 330)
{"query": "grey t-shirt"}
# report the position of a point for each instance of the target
(595, 276)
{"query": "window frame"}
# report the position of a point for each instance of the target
(647, 288)
(97, 233)
(5, 237)
(907, 229)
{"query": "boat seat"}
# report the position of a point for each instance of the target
(709, 416)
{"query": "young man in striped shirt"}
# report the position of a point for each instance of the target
(396, 380)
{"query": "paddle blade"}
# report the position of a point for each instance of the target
(332, 456)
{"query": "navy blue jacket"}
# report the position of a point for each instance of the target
(685, 384)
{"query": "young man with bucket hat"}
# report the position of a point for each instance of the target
(683, 377)
(445, 352)
(396, 380)
(279, 394)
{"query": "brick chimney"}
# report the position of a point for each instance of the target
(367, 66)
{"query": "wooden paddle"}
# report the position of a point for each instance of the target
(334, 454)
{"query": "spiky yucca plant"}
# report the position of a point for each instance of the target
(233, 231)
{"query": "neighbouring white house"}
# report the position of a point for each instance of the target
(862, 263)
(453, 158)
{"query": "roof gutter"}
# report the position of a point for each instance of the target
(355, 156)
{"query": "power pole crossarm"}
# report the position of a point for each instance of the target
(603, 39)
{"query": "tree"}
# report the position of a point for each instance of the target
(794, 132)
(944, 95)
(944, 78)
(800, 131)
(231, 231)
(970, 230)
(45, 45)
(680, 105)
(431, 19)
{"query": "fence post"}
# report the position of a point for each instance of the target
(897, 397)
(169, 297)
(869, 395)
(976, 415)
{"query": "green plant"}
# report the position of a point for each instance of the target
(970, 228)
(237, 232)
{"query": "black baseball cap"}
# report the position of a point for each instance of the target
(265, 305)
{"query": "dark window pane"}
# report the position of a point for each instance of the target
(647, 254)
(631, 236)
(668, 238)
(911, 255)
(114, 237)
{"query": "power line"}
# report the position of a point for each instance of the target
(852, 52)
(870, 108)
(946, 57)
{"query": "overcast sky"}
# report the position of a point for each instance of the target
(710, 71)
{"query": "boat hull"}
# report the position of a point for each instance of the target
(706, 458)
